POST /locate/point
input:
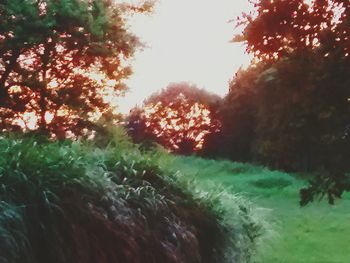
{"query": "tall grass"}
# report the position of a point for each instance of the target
(105, 201)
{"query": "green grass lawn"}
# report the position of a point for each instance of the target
(318, 233)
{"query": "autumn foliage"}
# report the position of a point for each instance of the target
(179, 118)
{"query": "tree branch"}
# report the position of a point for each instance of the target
(8, 69)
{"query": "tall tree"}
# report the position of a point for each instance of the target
(238, 114)
(302, 105)
(57, 59)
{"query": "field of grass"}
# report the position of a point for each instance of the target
(318, 233)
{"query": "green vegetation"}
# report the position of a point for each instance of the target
(289, 109)
(317, 233)
(105, 201)
(52, 55)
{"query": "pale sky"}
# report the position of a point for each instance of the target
(188, 40)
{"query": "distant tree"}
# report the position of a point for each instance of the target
(179, 117)
(58, 59)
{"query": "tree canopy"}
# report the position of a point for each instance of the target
(178, 117)
(278, 28)
(58, 59)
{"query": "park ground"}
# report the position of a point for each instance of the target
(317, 233)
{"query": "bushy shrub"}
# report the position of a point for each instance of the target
(105, 201)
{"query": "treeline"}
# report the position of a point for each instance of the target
(291, 115)
(290, 108)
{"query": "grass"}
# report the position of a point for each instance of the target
(106, 201)
(318, 233)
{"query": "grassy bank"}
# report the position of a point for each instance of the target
(105, 201)
(318, 233)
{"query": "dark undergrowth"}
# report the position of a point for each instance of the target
(105, 201)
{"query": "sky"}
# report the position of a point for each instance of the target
(186, 40)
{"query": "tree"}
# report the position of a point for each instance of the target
(302, 104)
(238, 114)
(57, 59)
(179, 117)
(279, 28)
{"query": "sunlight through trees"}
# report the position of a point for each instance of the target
(56, 60)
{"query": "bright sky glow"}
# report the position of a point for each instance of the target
(187, 40)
